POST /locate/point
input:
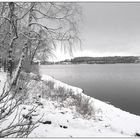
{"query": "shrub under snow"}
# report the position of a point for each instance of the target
(66, 96)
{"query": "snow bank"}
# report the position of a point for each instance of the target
(59, 83)
(61, 119)
(111, 121)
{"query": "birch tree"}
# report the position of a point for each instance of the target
(29, 29)
(58, 23)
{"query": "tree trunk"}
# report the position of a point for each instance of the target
(18, 70)
(13, 30)
(34, 53)
(24, 55)
(28, 54)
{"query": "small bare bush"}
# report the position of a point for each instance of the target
(50, 84)
(82, 105)
(33, 76)
(60, 94)
(85, 107)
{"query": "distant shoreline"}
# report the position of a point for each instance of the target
(97, 60)
(92, 64)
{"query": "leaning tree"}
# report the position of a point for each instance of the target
(37, 28)
(28, 30)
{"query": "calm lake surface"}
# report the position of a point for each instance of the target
(118, 84)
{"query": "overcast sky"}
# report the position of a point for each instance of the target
(110, 29)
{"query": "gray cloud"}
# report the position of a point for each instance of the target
(111, 28)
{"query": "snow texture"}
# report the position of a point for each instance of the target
(64, 121)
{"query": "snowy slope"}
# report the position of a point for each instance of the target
(109, 121)
(59, 119)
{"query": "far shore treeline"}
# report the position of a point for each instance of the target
(93, 60)
(97, 60)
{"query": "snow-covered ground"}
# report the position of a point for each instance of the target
(63, 121)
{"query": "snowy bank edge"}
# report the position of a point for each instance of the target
(97, 104)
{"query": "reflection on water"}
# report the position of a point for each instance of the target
(118, 84)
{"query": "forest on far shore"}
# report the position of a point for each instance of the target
(97, 60)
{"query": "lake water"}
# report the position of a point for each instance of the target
(118, 84)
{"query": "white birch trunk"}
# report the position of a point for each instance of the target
(24, 53)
